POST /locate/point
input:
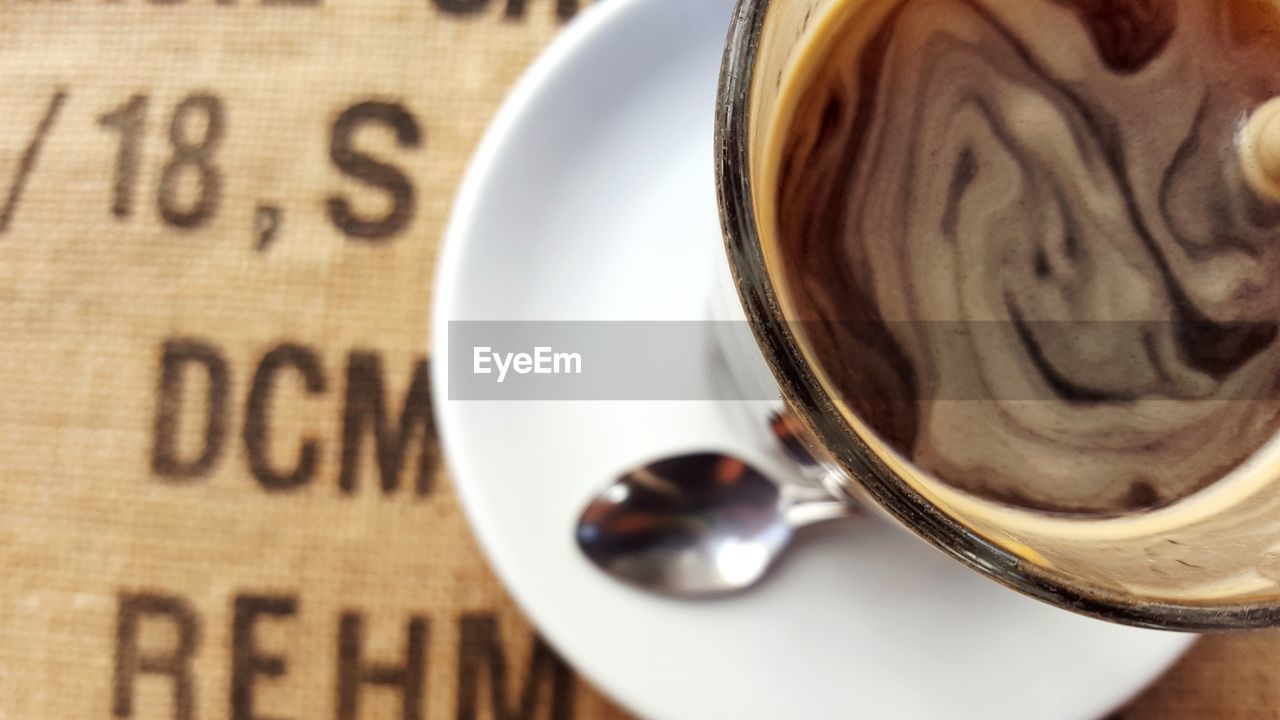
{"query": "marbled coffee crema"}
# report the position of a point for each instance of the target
(1018, 242)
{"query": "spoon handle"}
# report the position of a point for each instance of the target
(815, 505)
(814, 512)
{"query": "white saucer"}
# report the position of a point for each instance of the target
(592, 198)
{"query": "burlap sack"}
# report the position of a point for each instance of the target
(220, 492)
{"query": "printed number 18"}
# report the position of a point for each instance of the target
(193, 151)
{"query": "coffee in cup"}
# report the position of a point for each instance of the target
(1029, 244)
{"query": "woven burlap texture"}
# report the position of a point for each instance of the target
(220, 491)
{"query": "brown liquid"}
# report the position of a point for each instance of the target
(1018, 244)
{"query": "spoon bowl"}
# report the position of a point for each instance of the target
(696, 525)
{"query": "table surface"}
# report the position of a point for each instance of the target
(223, 494)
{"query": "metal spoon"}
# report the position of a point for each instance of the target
(698, 525)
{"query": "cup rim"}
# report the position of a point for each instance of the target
(815, 408)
